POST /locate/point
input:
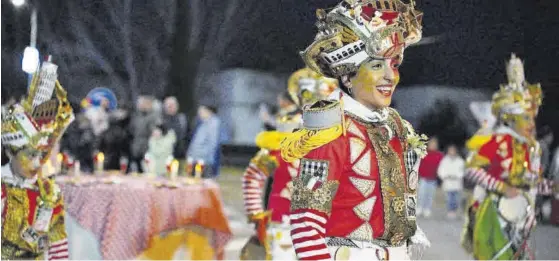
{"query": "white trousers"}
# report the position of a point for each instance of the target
(368, 251)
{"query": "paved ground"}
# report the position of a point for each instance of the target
(443, 233)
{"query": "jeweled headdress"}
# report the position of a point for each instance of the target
(357, 30)
(517, 83)
(306, 86)
(41, 120)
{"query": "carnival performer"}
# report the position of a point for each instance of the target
(506, 171)
(268, 178)
(355, 195)
(32, 206)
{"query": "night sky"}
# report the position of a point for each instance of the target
(478, 37)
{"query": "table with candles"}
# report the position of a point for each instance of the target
(141, 216)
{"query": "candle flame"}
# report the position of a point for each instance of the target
(100, 157)
(60, 157)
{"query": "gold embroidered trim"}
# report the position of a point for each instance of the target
(393, 184)
(319, 199)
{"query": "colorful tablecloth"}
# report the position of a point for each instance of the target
(126, 213)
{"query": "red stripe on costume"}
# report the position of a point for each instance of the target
(32, 196)
(308, 219)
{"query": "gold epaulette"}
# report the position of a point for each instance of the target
(478, 140)
(270, 140)
(322, 123)
(265, 162)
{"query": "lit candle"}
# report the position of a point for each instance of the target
(100, 160)
(198, 169)
(59, 160)
(188, 170)
(174, 169)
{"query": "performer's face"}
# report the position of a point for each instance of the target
(29, 162)
(525, 125)
(375, 82)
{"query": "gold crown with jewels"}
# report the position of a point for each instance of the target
(41, 120)
(357, 30)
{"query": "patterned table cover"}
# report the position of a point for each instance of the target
(125, 212)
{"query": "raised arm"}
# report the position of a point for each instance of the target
(479, 161)
(254, 178)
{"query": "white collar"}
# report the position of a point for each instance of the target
(507, 130)
(354, 107)
(16, 180)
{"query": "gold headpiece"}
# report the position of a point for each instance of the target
(357, 30)
(517, 82)
(507, 102)
(306, 86)
(40, 121)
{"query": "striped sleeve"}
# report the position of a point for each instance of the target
(308, 234)
(59, 250)
(253, 183)
(480, 177)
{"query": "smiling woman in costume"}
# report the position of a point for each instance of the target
(355, 193)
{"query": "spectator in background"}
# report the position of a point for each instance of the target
(451, 172)
(428, 177)
(142, 124)
(546, 139)
(178, 123)
(114, 142)
(99, 117)
(205, 142)
(161, 144)
(80, 142)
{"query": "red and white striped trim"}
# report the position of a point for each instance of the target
(482, 178)
(253, 184)
(59, 250)
(307, 234)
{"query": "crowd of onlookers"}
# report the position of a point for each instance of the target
(152, 129)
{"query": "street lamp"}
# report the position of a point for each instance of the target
(18, 3)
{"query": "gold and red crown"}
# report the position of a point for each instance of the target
(532, 93)
(41, 120)
(357, 30)
(306, 86)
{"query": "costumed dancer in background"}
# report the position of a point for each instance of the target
(32, 206)
(506, 171)
(355, 195)
(304, 87)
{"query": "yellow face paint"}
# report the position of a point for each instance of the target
(375, 82)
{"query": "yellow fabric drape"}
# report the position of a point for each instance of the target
(195, 240)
